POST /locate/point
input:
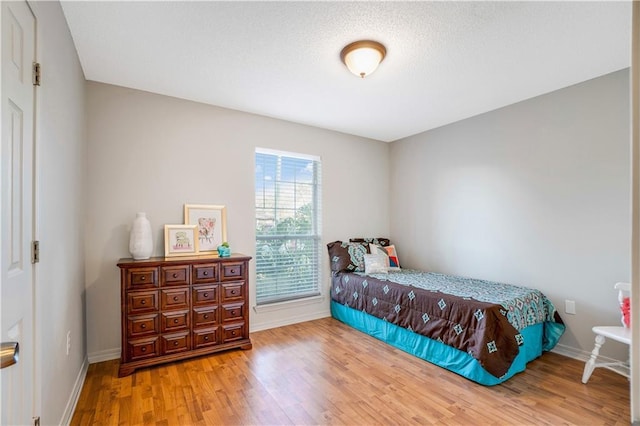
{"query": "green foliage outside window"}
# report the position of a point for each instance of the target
(286, 253)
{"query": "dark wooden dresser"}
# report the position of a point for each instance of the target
(181, 307)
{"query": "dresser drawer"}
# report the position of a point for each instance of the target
(232, 271)
(140, 278)
(174, 321)
(205, 316)
(232, 291)
(175, 343)
(139, 302)
(232, 312)
(143, 348)
(175, 275)
(205, 337)
(205, 273)
(175, 298)
(141, 325)
(205, 295)
(232, 332)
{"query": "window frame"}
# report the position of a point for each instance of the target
(315, 236)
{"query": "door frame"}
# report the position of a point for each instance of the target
(635, 213)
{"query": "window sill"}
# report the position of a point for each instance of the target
(278, 306)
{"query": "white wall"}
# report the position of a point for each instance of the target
(60, 211)
(536, 194)
(154, 153)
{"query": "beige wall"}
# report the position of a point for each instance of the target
(536, 193)
(60, 211)
(154, 153)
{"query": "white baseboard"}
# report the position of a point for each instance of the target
(570, 352)
(105, 355)
(67, 415)
(581, 355)
(288, 321)
(109, 354)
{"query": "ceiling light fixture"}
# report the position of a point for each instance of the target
(363, 57)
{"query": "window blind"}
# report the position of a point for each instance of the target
(287, 226)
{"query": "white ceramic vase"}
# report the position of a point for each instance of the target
(140, 239)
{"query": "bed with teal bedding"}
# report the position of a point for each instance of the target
(483, 330)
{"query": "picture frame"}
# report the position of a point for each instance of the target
(180, 240)
(211, 221)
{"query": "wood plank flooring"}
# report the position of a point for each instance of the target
(324, 372)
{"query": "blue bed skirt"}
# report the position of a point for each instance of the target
(436, 352)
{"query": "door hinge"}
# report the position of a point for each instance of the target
(36, 421)
(35, 252)
(36, 74)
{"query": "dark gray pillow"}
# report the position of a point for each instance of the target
(383, 242)
(345, 256)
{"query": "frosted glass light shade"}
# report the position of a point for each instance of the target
(363, 57)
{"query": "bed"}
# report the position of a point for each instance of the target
(483, 330)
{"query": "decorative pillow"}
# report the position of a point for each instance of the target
(346, 256)
(376, 263)
(390, 252)
(383, 242)
(625, 308)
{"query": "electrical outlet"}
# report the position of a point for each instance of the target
(570, 307)
(68, 341)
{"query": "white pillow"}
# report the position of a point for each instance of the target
(376, 264)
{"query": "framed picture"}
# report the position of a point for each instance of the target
(180, 240)
(211, 222)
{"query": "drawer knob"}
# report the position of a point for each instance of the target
(206, 337)
(143, 302)
(206, 295)
(175, 321)
(143, 349)
(205, 273)
(175, 343)
(233, 333)
(233, 292)
(142, 278)
(233, 271)
(233, 312)
(143, 326)
(175, 298)
(205, 316)
(175, 275)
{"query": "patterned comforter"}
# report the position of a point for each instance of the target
(482, 318)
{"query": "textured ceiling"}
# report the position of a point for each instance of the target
(446, 61)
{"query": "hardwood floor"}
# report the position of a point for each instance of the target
(324, 372)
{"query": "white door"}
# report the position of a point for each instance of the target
(16, 181)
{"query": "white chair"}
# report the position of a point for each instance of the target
(620, 334)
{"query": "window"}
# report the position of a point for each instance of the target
(287, 226)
